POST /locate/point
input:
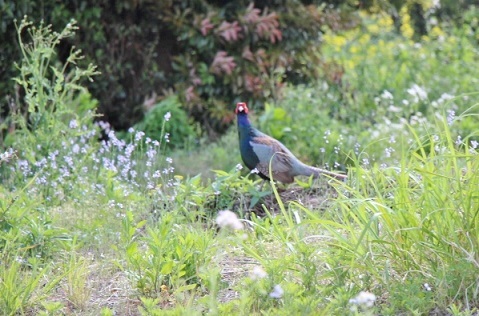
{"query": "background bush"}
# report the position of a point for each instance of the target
(209, 53)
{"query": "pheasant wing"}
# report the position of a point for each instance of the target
(270, 150)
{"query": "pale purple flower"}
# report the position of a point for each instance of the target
(258, 273)
(139, 135)
(277, 292)
(365, 299)
(73, 124)
(167, 116)
(76, 148)
(388, 151)
(150, 153)
(459, 140)
(451, 114)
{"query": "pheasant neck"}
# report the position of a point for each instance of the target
(243, 120)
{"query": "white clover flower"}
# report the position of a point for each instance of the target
(167, 116)
(229, 219)
(364, 299)
(255, 170)
(277, 292)
(258, 273)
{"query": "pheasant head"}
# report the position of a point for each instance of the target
(241, 107)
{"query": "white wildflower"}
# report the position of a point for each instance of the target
(258, 273)
(364, 299)
(167, 116)
(394, 109)
(229, 219)
(474, 144)
(277, 292)
(418, 93)
(255, 170)
(169, 160)
(238, 167)
(427, 287)
(387, 95)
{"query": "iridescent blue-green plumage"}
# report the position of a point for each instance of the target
(259, 150)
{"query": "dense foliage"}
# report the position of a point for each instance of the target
(208, 53)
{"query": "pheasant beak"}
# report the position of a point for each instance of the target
(241, 107)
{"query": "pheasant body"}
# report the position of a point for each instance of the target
(259, 151)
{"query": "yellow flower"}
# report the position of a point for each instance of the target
(406, 28)
(373, 28)
(385, 23)
(436, 32)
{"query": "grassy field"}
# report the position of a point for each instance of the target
(125, 227)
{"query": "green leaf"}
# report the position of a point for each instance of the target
(167, 268)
